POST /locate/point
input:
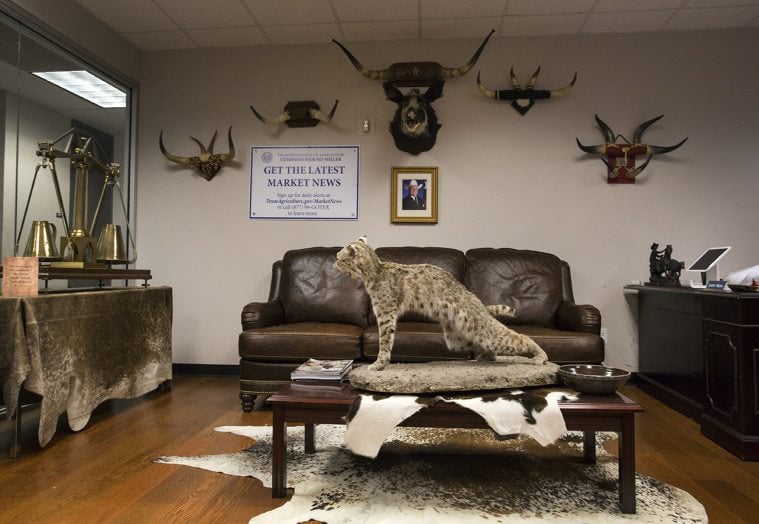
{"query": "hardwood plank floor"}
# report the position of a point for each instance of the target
(104, 474)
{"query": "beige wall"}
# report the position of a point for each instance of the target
(505, 180)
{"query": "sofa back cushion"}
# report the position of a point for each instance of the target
(451, 260)
(529, 281)
(312, 290)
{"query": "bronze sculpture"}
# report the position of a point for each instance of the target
(665, 271)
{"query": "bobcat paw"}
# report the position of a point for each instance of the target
(377, 366)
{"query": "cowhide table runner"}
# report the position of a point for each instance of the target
(532, 412)
(79, 349)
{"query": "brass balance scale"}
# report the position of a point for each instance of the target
(80, 256)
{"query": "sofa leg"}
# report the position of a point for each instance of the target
(247, 402)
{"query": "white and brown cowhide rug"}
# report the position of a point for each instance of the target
(533, 412)
(446, 476)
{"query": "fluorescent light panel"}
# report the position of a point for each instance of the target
(87, 86)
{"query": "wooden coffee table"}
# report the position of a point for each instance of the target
(318, 403)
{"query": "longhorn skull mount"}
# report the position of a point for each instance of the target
(304, 113)
(522, 100)
(620, 158)
(207, 163)
(415, 74)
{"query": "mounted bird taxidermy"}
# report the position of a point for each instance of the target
(522, 100)
(620, 158)
(207, 163)
(304, 113)
(414, 126)
(415, 74)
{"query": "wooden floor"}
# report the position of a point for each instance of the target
(104, 474)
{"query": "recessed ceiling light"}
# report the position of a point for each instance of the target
(87, 86)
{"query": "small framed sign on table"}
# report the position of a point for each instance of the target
(413, 195)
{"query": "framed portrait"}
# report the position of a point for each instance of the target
(413, 195)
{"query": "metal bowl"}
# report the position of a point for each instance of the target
(596, 380)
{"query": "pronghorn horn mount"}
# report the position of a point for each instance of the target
(415, 74)
(620, 158)
(207, 163)
(522, 100)
(303, 113)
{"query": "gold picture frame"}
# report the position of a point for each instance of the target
(404, 208)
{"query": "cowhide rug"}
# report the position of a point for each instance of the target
(446, 476)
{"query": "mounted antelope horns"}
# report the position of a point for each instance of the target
(408, 74)
(303, 113)
(207, 163)
(522, 100)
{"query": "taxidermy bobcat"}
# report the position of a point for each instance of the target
(424, 288)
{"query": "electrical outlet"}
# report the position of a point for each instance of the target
(365, 126)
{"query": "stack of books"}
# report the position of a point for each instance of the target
(316, 369)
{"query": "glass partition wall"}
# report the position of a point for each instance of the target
(65, 167)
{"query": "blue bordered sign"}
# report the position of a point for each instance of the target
(304, 182)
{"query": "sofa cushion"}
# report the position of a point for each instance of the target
(414, 342)
(312, 290)
(299, 341)
(451, 260)
(529, 281)
(566, 347)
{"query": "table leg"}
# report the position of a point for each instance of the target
(15, 448)
(310, 443)
(589, 447)
(279, 453)
(627, 464)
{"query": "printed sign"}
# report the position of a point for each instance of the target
(308, 182)
(20, 276)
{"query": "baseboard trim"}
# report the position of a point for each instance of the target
(208, 370)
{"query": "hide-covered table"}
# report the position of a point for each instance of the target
(78, 349)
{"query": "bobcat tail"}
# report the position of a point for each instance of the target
(502, 309)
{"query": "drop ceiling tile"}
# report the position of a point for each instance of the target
(638, 5)
(459, 9)
(371, 10)
(196, 15)
(459, 28)
(154, 40)
(288, 12)
(377, 31)
(717, 17)
(302, 34)
(542, 25)
(628, 22)
(125, 17)
(229, 36)
(548, 7)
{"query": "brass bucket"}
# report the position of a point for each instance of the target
(110, 246)
(41, 241)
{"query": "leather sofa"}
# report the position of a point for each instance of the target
(314, 311)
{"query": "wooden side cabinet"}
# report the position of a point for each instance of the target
(731, 373)
(699, 353)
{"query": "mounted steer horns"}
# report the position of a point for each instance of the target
(620, 158)
(299, 114)
(207, 163)
(523, 99)
(410, 74)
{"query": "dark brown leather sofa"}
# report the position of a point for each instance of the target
(314, 311)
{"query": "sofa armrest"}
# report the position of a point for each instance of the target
(262, 314)
(579, 317)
